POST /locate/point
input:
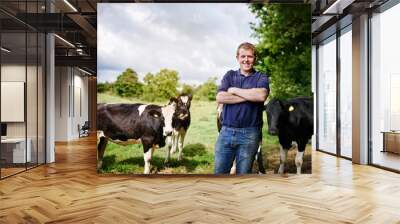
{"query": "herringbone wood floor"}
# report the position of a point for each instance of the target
(70, 191)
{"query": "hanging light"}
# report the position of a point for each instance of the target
(70, 5)
(5, 50)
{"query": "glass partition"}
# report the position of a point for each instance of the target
(31, 100)
(385, 89)
(346, 92)
(41, 86)
(327, 95)
(14, 153)
(22, 87)
(31, 97)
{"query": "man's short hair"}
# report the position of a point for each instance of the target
(246, 46)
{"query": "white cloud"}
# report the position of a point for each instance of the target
(197, 40)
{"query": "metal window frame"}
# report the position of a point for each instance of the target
(325, 40)
(386, 6)
(339, 32)
(381, 9)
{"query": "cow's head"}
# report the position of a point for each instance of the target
(156, 119)
(168, 112)
(183, 105)
(158, 126)
(152, 125)
(275, 110)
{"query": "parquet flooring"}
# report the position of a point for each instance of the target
(70, 191)
(9, 171)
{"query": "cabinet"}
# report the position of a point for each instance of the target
(391, 142)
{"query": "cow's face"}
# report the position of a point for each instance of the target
(168, 112)
(156, 118)
(157, 121)
(274, 110)
(183, 106)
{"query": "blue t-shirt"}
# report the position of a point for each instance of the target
(246, 114)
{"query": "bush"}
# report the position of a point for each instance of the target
(104, 87)
(127, 84)
(161, 86)
(207, 90)
(187, 89)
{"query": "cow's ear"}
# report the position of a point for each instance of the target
(173, 100)
(190, 96)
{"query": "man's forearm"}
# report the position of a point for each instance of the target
(254, 94)
(228, 98)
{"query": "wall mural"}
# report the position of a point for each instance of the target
(211, 88)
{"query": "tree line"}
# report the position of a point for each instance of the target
(157, 87)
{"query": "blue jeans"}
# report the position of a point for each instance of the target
(236, 143)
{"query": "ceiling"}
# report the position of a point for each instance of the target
(332, 15)
(74, 22)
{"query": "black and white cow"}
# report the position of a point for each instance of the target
(135, 123)
(259, 158)
(292, 121)
(180, 125)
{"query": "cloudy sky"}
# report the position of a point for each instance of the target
(197, 40)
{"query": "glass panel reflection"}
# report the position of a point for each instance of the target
(385, 86)
(327, 96)
(15, 151)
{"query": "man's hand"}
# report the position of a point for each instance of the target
(232, 90)
(254, 94)
(228, 98)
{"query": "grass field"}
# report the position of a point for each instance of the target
(198, 152)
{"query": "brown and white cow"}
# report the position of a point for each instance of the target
(180, 124)
(134, 123)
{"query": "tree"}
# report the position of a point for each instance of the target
(127, 84)
(104, 87)
(284, 47)
(207, 90)
(160, 86)
(187, 89)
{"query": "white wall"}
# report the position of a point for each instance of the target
(34, 124)
(14, 73)
(62, 81)
(71, 94)
(80, 110)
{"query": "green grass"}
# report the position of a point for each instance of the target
(129, 159)
(198, 152)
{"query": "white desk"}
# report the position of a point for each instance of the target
(18, 149)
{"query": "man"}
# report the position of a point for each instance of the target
(243, 93)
